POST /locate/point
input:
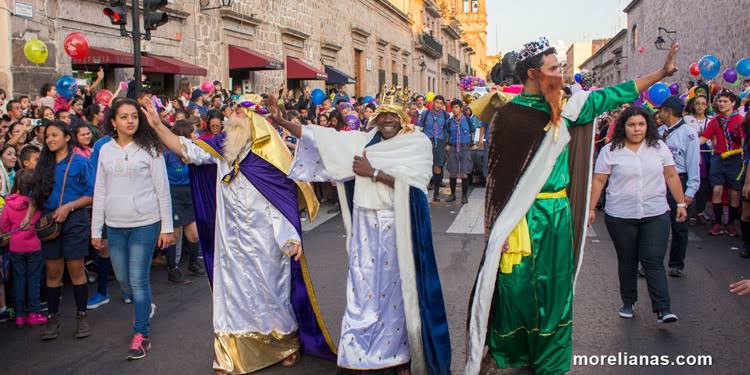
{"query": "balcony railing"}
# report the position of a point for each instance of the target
(429, 45)
(452, 65)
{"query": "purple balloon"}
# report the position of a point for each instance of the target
(674, 88)
(730, 75)
(683, 98)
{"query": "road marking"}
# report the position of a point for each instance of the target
(322, 217)
(470, 220)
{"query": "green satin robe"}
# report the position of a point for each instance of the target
(531, 322)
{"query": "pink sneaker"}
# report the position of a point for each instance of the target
(36, 319)
(20, 321)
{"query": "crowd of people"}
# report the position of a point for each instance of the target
(99, 184)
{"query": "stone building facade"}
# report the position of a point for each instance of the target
(609, 64)
(577, 53)
(375, 42)
(719, 28)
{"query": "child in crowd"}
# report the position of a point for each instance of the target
(28, 157)
(25, 251)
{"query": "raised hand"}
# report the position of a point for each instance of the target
(670, 67)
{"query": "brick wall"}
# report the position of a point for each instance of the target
(719, 27)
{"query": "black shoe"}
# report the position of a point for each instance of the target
(464, 200)
(435, 198)
(139, 347)
(666, 316)
(745, 253)
(196, 269)
(452, 198)
(52, 329)
(175, 277)
(675, 272)
(83, 329)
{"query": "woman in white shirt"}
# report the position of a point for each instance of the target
(698, 118)
(639, 168)
(131, 197)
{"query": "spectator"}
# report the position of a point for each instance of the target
(47, 113)
(367, 112)
(3, 96)
(63, 186)
(14, 110)
(25, 252)
(182, 209)
(17, 134)
(136, 204)
(745, 216)
(683, 142)
(6, 182)
(639, 167)
(215, 124)
(4, 127)
(63, 115)
(336, 120)
(28, 157)
(459, 139)
(726, 135)
(179, 115)
(226, 110)
(38, 139)
(420, 104)
(434, 124)
(82, 140)
(341, 95)
(10, 161)
(698, 118)
(48, 93)
(25, 105)
(94, 117)
(196, 102)
(323, 120)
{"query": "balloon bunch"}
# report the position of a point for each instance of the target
(469, 83)
(709, 67)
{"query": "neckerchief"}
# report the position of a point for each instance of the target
(434, 129)
(458, 132)
(724, 124)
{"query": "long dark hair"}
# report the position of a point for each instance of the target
(44, 174)
(144, 136)
(652, 133)
(74, 131)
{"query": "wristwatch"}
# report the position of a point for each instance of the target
(375, 176)
(682, 205)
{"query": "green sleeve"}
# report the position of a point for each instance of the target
(606, 99)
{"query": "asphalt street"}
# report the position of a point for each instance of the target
(712, 321)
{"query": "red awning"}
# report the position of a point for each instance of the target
(298, 69)
(247, 59)
(170, 65)
(106, 56)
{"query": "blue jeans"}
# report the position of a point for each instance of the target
(130, 250)
(27, 274)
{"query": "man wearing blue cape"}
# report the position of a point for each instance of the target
(395, 320)
(247, 211)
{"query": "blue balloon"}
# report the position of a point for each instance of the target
(66, 86)
(658, 93)
(709, 66)
(317, 96)
(578, 77)
(367, 99)
(743, 67)
(743, 95)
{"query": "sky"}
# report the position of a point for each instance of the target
(515, 22)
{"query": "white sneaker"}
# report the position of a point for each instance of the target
(666, 317)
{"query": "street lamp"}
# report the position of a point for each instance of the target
(659, 43)
(205, 4)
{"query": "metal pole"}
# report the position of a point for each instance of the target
(137, 71)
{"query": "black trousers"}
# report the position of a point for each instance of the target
(679, 231)
(643, 240)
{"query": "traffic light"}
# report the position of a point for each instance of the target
(152, 17)
(117, 12)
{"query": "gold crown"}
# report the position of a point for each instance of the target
(395, 96)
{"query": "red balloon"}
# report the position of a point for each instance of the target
(76, 46)
(695, 70)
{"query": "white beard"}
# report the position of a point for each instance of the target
(238, 136)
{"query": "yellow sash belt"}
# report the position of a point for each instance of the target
(519, 239)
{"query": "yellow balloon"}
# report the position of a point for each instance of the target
(430, 96)
(36, 51)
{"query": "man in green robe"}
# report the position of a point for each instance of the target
(540, 156)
